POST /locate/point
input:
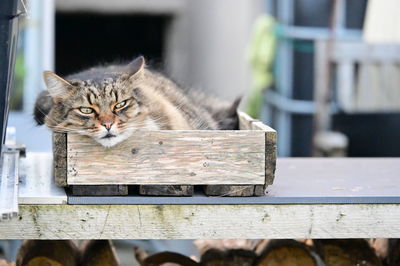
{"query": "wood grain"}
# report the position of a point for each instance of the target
(346, 252)
(231, 191)
(170, 157)
(247, 122)
(367, 78)
(60, 158)
(286, 252)
(99, 190)
(204, 221)
(49, 253)
(98, 253)
(166, 190)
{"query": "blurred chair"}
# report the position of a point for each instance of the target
(358, 78)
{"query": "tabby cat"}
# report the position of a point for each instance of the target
(109, 103)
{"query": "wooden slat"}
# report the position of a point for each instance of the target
(372, 88)
(245, 121)
(345, 85)
(166, 190)
(204, 221)
(60, 158)
(37, 184)
(378, 88)
(367, 97)
(390, 81)
(270, 156)
(365, 53)
(231, 191)
(306, 177)
(322, 119)
(99, 190)
(170, 157)
(223, 190)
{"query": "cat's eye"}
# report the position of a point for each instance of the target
(86, 110)
(120, 105)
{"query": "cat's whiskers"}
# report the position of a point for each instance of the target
(62, 129)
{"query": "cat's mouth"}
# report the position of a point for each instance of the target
(109, 135)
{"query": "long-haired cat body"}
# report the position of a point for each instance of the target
(110, 103)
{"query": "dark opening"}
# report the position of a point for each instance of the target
(88, 39)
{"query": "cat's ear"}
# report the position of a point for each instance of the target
(58, 87)
(232, 110)
(136, 66)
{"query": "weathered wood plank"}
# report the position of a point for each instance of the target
(270, 156)
(170, 157)
(204, 221)
(36, 180)
(366, 74)
(346, 85)
(356, 51)
(60, 158)
(166, 190)
(235, 191)
(247, 122)
(231, 191)
(99, 190)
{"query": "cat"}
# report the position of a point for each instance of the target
(109, 103)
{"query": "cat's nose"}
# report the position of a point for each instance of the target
(107, 125)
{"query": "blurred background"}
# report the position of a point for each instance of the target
(324, 74)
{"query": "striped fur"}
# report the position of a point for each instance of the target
(149, 101)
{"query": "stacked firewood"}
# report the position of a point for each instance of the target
(288, 252)
(65, 253)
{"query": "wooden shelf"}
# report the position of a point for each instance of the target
(43, 217)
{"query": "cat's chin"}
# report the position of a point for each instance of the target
(111, 141)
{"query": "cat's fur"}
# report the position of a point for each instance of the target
(151, 100)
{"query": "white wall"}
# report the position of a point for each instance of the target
(219, 32)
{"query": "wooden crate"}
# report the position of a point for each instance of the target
(235, 162)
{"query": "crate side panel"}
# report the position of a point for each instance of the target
(270, 157)
(270, 150)
(170, 157)
(60, 159)
(245, 121)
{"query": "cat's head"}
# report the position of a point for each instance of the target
(106, 105)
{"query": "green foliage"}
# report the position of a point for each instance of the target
(17, 91)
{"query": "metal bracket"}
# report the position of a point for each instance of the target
(9, 181)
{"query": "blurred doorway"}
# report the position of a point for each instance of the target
(87, 39)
